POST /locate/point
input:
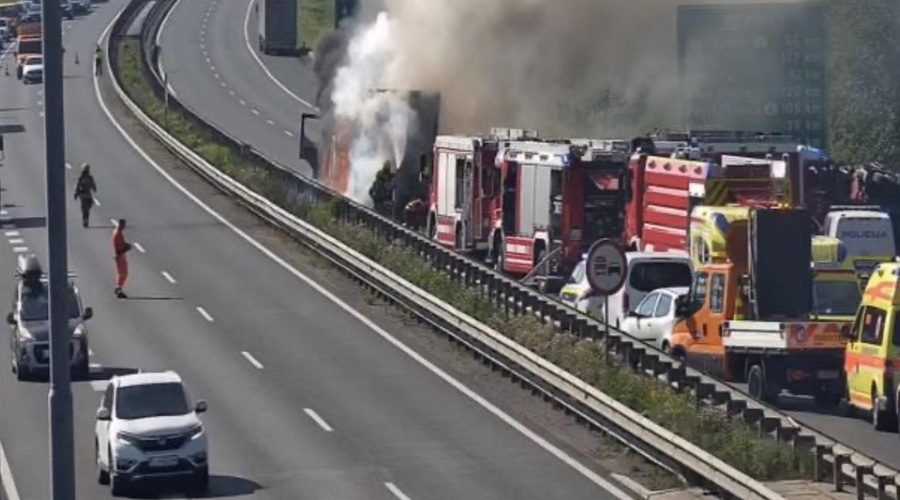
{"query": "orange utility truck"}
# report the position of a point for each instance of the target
(749, 316)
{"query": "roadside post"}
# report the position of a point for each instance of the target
(606, 268)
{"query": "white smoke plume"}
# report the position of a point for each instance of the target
(381, 119)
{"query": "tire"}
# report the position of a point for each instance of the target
(118, 486)
(102, 474)
(23, 374)
(882, 420)
(755, 382)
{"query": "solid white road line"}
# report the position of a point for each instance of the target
(396, 491)
(16, 241)
(252, 360)
(139, 247)
(168, 277)
(459, 386)
(319, 420)
(263, 66)
(6, 477)
(20, 249)
(205, 314)
(11, 233)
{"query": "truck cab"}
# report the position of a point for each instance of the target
(873, 350)
(749, 318)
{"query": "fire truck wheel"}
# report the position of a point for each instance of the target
(882, 420)
(756, 384)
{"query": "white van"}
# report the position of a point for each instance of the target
(647, 271)
(866, 232)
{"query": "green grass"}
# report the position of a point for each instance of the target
(315, 19)
(731, 440)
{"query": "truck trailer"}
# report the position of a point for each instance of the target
(277, 26)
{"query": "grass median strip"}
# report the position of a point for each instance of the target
(732, 441)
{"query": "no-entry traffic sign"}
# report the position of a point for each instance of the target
(606, 267)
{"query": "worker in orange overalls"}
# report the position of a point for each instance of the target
(120, 248)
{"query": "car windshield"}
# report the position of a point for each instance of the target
(836, 298)
(652, 275)
(37, 307)
(151, 400)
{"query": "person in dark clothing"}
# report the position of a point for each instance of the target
(84, 192)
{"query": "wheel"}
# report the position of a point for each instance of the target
(102, 474)
(200, 482)
(118, 486)
(22, 373)
(882, 420)
(756, 382)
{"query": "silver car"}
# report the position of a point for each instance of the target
(30, 324)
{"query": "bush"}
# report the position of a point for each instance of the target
(732, 441)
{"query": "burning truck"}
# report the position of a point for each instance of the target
(353, 151)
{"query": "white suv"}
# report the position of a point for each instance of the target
(146, 429)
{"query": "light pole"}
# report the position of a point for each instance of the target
(62, 442)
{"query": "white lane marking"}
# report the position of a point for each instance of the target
(96, 201)
(40, 103)
(216, 75)
(270, 122)
(114, 221)
(168, 277)
(41, 114)
(212, 67)
(139, 247)
(69, 165)
(255, 112)
(202, 46)
(6, 477)
(205, 314)
(252, 360)
(207, 61)
(11, 233)
(231, 92)
(396, 491)
(16, 241)
(319, 420)
(289, 133)
(243, 102)
(459, 386)
(222, 83)
(263, 66)
(162, 26)
(91, 352)
(20, 249)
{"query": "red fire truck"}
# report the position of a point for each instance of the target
(557, 198)
(713, 168)
(465, 188)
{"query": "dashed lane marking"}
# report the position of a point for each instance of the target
(205, 314)
(243, 102)
(11, 233)
(289, 133)
(16, 241)
(231, 92)
(69, 165)
(319, 420)
(168, 277)
(255, 112)
(20, 249)
(96, 202)
(396, 491)
(252, 360)
(139, 247)
(270, 122)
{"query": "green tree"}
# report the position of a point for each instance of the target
(864, 67)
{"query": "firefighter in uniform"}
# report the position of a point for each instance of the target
(382, 190)
(84, 192)
(120, 248)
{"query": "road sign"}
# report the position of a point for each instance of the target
(606, 267)
(755, 67)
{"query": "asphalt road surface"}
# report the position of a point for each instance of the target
(306, 399)
(259, 99)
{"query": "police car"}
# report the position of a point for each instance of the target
(30, 323)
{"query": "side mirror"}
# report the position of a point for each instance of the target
(88, 313)
(103, 414)
(11, 318)
(200, 407)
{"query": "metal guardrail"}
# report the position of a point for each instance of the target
(834, 461)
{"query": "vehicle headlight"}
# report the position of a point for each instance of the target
(127, 438)
(195, 432)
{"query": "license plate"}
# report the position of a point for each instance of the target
(827, 374)
(163, 461)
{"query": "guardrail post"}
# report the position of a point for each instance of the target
(838, 470)
(861, 472)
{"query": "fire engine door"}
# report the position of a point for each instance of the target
(469, 206)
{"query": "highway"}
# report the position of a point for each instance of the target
(260, 97)
(307, 398)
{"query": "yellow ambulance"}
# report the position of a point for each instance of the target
(873, 349)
